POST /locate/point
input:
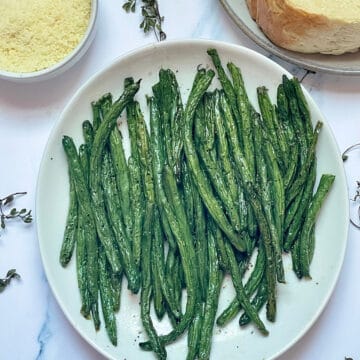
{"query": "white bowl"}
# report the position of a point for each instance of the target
(299, 302)
(66, 62)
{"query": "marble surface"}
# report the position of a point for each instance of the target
(32, 323)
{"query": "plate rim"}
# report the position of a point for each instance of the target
(275, 50)
(99, 73)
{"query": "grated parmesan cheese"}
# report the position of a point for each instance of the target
(36, 34)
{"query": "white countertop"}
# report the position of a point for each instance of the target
(32, 323)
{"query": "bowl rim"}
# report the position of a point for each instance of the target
(53, 69)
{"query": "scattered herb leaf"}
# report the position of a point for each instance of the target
(129, 6)
(152, 20)
(22, 214)
(11, 274)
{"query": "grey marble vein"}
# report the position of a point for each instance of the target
(45, 333)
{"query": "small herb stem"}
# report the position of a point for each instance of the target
(152, 20)
(23, 214)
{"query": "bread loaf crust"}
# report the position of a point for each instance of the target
(252, 5)
(298, 30)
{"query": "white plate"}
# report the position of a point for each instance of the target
(347, 64)
(299, 302)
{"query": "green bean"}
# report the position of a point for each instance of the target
(100, 140)
(246, 111)
(157, 253)
(284, 117)
(169, 272)
(292, 167)
(212, 166)
(158, 160)
(293, 207)
(212, 299)
(244, 108)
(202, 183)
(146, 171)
(116, 280)
(296, 221)
(95, 315)
(146, 289)
(86, 212)
(168, 98)
(240, 292)
(194, 333)
(143, 146)
(122, 176)
(201, 239)
(158, 263)
(225, 159)
(207, 124)
(157, 294)
(296, 120)
(97, 111)
(304, 171)
(117, 227)
(81, 269)
(81, 263)
(303, 108)
(131, 122)
(275, 182)
(84, 156)
(258, 302)
(225, 82)
(283, 114)
(177, 283)
(271, 124)
(188, 192)
(69, 237)
(95, 106)
(119, 163)
(185, 245)
(255, 277)
(179, 225)
(324, 186)
(295, 258)
(136, 178)
(105, 104)
(311, 244)
(220, 245)
(162, 97)
(106, 296)
(278, 190)
(136, 207)
(88, 132)
(269, 178)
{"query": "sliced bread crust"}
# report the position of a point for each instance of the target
(296, 29)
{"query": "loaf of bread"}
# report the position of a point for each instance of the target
(310, 26)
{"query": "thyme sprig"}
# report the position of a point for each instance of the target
(11, 274)
(23, 214)
(152, 20)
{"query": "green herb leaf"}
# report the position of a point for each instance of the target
(152, 20)
(11, 274)
(129, 6)
(23, 214)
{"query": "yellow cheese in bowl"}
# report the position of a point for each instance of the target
(37, 34)
(310, 26)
